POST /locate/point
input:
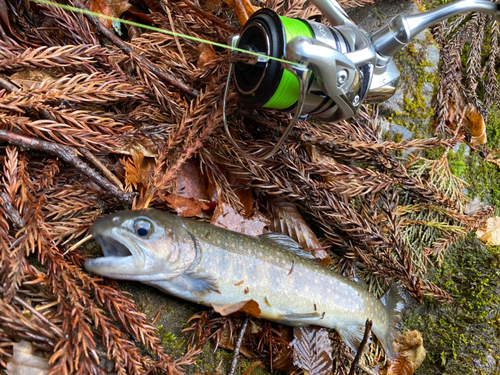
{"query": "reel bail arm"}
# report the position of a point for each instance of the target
(302, 73)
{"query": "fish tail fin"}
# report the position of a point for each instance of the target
(394, 301)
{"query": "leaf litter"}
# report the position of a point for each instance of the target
(91, 125)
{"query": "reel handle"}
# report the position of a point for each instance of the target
(400, 31)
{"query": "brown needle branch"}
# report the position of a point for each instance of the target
(13, 213)
(70, 156)
(237, 347)
(164, 76)
(354, 366)
(97, 163)
(210, 17)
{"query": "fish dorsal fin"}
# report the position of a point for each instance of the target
(286, 243)
(352, 336)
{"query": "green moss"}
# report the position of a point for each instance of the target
(174, 345)
(462, 337)
(411, 63)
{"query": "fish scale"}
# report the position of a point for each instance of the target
(210, 265)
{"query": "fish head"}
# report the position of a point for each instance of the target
(143, 245)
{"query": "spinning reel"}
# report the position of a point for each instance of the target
(332, 70)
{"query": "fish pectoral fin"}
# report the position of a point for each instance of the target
(286, 243)
(199, 284)
(352, 336)
(301, 320)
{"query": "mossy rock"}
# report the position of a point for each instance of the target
(462, 337)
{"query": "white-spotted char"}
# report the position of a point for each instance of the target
(206, 264)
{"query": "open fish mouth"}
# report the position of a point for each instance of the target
(123, 258)
(113, 248)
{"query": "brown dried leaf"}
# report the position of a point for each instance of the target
(490, 233)
(400, 366)
(31, 78)
(250, 307)
(476, 125)
(411, 348)
(24, 362)
(113, 8)
(287, 219)
(226, 217)
(243, 9)
(189, 181)
(312, 350)
(207, 54)
(186, 207)
(145, 147)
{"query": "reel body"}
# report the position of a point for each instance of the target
(343, 49)
(332, 70)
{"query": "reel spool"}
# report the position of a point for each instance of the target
(332, 70)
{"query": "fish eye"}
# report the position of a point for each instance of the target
(143, 228)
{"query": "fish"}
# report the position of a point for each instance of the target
(213, 266)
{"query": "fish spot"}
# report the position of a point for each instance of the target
(329, 290)
(259, 269)
(291, 280)
(306, 288)
(266, 281)
(316, 281)
(300, 273)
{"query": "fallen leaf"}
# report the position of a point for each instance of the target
(490, 233)
(246, 199)
(187, 207)
(148, 149)
(287, 219)
(24, 362)
(475, 123)
(282, 359)
(312, 350)
(207, 54)
(31, 78)
(112, 8)
(243, 9)
(400, 366)
(190, 181)
(226, 217)
(411, 348)
(250, 307)
(227, 338)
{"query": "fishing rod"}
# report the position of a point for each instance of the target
(314, 70)
(329, 70)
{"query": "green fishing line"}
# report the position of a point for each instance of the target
(168, 32)
(288, 90)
